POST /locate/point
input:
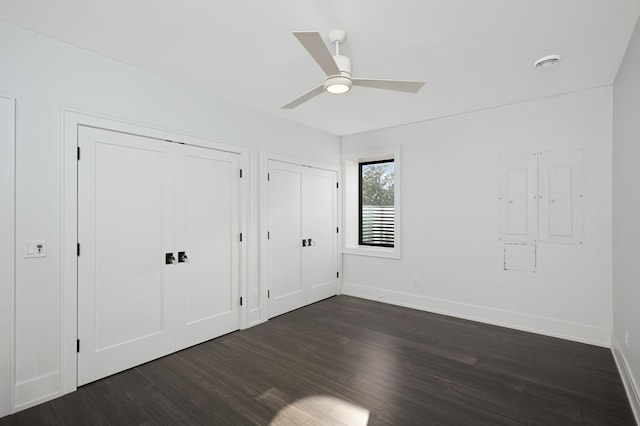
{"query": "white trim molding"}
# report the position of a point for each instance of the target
(37, 390)
(69, 304)
(577, 332)
(630, 384)
(7, 255)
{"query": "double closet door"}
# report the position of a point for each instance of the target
(158, 265)
(303, 236)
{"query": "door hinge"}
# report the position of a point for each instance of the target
(337, 274)
(78, 249)
(240, 300)
(241, 237)
(78, 153)
(78, 345)
(240, 172)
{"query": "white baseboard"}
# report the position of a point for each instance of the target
(582, 333)
(38, 390)
(630, 384)
(255, 317)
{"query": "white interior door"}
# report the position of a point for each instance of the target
(125, 227)
(285, 238)
(208, 232)
(6, 249)
(319, 213)
(302, 210)
(138, 200)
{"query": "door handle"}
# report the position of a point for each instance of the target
(309, 242)
(182, 257)
(304, 242)
(169, 259)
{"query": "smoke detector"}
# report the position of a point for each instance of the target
(546, 62)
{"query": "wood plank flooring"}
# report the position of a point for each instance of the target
(351, 361)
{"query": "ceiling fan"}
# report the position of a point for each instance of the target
(337, 69)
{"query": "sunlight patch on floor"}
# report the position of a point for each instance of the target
(322, 410)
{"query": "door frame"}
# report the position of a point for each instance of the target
(263, 311)
(7, 301)
(71, 119)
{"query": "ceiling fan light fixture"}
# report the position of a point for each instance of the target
(337, 85)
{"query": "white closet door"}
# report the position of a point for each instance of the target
(125, 227)
(285, 229)
(208, 232)
(319, 213)
(302, 206)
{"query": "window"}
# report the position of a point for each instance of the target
(376, 204)
(386, 164)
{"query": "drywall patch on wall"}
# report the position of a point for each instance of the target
(520, 257)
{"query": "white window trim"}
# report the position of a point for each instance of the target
(350, 203)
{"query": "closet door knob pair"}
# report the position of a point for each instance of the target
(170, 259)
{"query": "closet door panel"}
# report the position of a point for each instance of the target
(319, 223)
(209, 235)
(285, 242)
(124, 229)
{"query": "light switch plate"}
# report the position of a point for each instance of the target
(35, 248)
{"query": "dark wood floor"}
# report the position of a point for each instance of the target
(348, 361)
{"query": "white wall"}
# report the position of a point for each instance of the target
(45, 76)
(452, 260)
(626, 215)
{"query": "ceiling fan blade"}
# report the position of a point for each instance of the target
(312, 41)
(396, 85)
(303, 98)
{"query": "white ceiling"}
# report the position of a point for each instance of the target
(473, 54)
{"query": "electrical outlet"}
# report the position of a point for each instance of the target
(626, 338)
(35, 248)
(254, 294)
(416, 282)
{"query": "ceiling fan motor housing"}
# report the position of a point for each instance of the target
(343, 79)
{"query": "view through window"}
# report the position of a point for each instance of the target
(376, 203)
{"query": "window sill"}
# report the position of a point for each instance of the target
(389, 253)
